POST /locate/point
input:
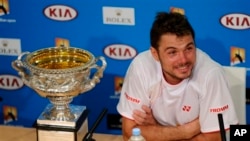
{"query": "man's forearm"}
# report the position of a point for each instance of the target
(153, 131)
(167, 133)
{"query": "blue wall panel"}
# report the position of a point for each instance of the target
(26, 21)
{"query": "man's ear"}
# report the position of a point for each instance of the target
(154, 53)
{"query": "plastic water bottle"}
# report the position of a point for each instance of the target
(136, 135)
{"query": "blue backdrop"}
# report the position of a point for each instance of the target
(117, 30)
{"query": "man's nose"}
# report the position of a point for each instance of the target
(182, 57)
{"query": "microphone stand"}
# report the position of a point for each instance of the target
(222, 129)
(88, 136)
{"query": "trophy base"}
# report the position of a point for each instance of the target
(51, 130)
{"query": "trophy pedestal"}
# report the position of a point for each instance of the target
(52, 130)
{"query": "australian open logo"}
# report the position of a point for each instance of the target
(5, 10)
(4, 7)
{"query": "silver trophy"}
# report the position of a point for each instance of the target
(60, 74)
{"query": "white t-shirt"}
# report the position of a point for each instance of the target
(204, 94)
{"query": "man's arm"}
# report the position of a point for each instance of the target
(214, 136)
(159, 132)
(152, 130)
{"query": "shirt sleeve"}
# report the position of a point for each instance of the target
(133, 93)
(216, 99)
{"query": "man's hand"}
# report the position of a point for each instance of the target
(192, 128)
(144, 117)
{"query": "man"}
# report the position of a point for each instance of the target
(174, 91)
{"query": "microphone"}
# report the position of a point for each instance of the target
(222, 129)
(88, 136)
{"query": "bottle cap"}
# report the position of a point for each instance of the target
(136, 131)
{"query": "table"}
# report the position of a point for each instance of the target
(16, 133)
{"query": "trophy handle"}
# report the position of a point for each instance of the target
(97, 75)
(19, 67)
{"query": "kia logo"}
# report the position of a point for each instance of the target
(60, 12)
(120, 51)
(236, 21)
(10, 82)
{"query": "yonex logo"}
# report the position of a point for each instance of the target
(186, 108)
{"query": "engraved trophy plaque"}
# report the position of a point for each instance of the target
(60, 74)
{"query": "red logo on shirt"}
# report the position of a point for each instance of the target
(186, 108)
(129, 98)
(220, 109)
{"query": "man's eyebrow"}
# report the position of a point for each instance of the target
(172, 47)
(169, 47)
(191, 43)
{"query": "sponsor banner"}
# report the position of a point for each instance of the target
(10, 82)
(120, 51)
(118, 15)
(236, 21)
(10, 46)
(60, 12)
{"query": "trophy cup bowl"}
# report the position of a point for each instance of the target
(59, 74)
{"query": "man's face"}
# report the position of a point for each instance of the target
(177, 56)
